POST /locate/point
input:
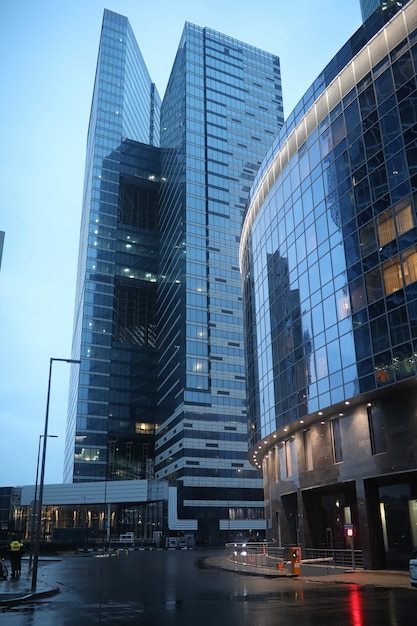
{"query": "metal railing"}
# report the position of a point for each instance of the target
(257, 554)
(271, 556)
(339, 558)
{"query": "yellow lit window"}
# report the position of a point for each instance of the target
(386, 229)
(409, 263)
(398, 221)
(391, 271)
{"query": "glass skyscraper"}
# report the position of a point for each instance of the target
(111, 415)
(158, 323)
(220, 113)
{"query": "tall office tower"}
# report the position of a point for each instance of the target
(111, 415)
(220, 113)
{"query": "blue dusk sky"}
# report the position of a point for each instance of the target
(48, 51)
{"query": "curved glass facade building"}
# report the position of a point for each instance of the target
(329, 264)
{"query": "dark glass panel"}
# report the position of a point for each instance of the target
(357, 154)
(376, 161)
(380, 334)
(384, 86)
(408, 112)
(374, 287)
(354, 271)
(372, 140)
(352, 117)
(338, 130)
(390, 126)
(367, 101)
(398, 325)
(342, 167)
(402, 69)
(362, 342)
(412, 314)
(352, 250)
(411, 152)
(362, 194)
(376, 309)
(393, 147)
(367, 383)
(371, 260)
(378, 183)
(395, 299)
(406, 90)
(365, 367)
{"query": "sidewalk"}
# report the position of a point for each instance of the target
(17, 590)
(320, 574)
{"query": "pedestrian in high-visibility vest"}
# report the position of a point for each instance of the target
(15, 555)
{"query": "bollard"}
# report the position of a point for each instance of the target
(296, 561)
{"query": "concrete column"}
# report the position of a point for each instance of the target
(363, 519)
(300, 519)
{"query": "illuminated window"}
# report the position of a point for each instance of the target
(386, 229)
(391, 271)
(404, 218)
(409, 264)
(394, 222)
(142, 428)
(87, 454)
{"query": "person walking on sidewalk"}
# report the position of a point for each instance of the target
(15, 555)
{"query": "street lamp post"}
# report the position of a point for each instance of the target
(35, 511)
(42, 477)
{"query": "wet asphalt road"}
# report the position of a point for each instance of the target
(160, 588)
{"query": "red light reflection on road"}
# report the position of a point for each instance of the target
(356, 609)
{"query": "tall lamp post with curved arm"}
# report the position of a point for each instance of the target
(42, 477)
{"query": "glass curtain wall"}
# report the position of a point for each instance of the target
(221, 111)
(110, 416)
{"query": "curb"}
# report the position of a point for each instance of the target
(30, 596)
(363, 578)
(226, 566)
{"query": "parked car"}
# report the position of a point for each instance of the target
(413, 570)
